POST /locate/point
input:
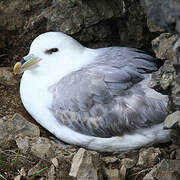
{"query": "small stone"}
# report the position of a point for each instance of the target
(18, 177)
(39, 146)
(149, 176)
(42, 147)
(128, 163)
(112, 174)
(52, 173)
(85, 165)
(23, 143)
(149, 157)
(40, 150)
(123, 172)
(108, 159)
(22, 172)
(55, 162)
(172, 120)
(23, 127)
(173, 155)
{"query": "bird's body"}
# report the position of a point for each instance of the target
(95, 98)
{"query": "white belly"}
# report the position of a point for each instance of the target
(37, 100)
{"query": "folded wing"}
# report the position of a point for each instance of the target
(110, 96)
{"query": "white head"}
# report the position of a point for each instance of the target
(50, 50)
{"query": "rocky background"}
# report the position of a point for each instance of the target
(26, 152)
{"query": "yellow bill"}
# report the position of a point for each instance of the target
(29, 62)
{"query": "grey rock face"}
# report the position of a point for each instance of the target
(69, 16)
(166, 80)
(93, 23)
(164, 13)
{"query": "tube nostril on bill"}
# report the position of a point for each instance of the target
(23, 61)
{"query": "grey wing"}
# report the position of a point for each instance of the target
(107, 99)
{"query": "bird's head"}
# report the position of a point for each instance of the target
(51, 46)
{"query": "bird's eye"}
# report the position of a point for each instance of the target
(52, 50)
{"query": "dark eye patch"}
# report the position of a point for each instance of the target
(52, 50)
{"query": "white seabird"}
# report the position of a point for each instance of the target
(95, 98)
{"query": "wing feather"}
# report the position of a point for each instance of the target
(109, 97)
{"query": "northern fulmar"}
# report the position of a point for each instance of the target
(94, 98)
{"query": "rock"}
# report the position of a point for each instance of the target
(22, 172)
(166, 170)
(7, 77)
(94, 23)
(9, 89)
(177, 154)
(17, 126)
(41, 147)
(67, 16)
(112, 174)
(175, 94)
(123, 171)
(174, 136)
(57, 159)
(18, 177)
(149, 157)
(166, 80)
(109, 159)
(85, 165)
(149, 176)
(163, 45)
(172, 120)
(12, 27)
(75, 14)
(132, 154)
(163, 78)
(128, 163)
(153, 28)
(112, 162)
(65, 163)
(39, 169)
(164, 13)
(23, 143)
(55, 162)
(52, 173)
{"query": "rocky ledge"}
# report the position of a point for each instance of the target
(28, 152)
